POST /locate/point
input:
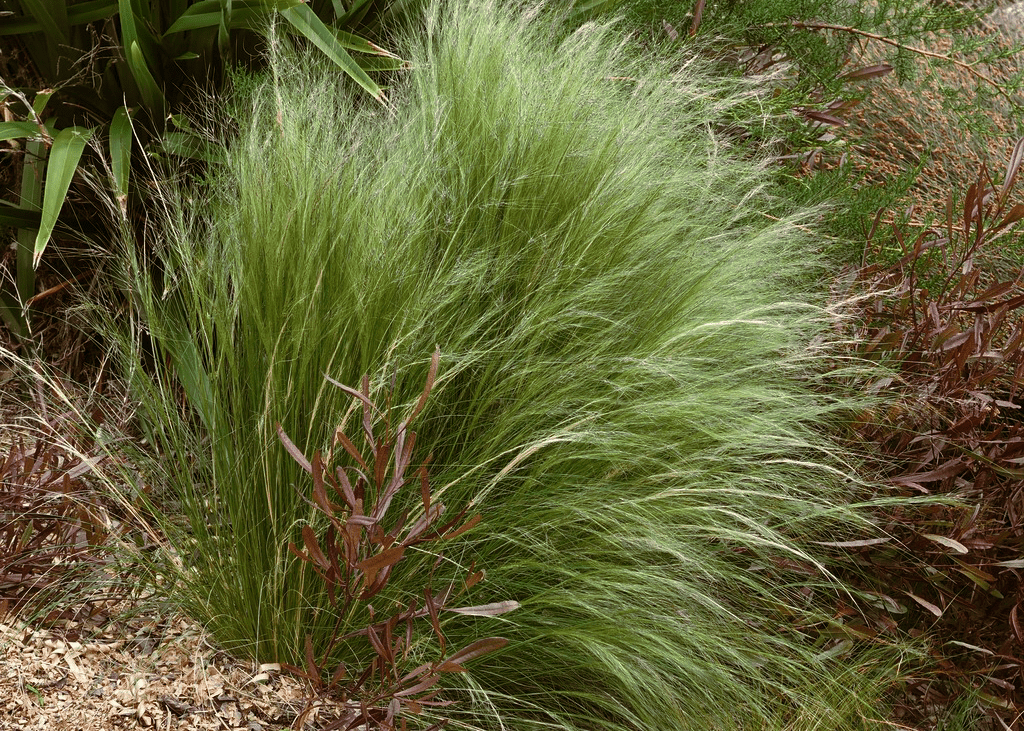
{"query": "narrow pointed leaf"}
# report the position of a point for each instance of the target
(486, 610)
(294, 451)
(18, 217)
(429, 682)
(853, 544)
(947, 542)
(698, 13)
(151, 94)
(1012, 168)
(18, 130)
(313, 546)
(60, 169)
(52, 18)
(471, 652)
(313, 29)
(121, 149)
(357, 43)
(926, 604)
(385, 559)
(868, 72)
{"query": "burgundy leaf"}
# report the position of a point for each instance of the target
(313, 547)
(471, 652)
(698, 13)
(385, 559)
(294, 451)
(868, 72)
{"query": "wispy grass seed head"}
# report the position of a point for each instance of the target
(624, 346)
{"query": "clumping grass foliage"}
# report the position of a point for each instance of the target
(627, 392)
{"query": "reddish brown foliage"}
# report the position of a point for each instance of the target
(951, 328)
(356, 558)
(51, 533)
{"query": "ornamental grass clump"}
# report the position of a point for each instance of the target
(627, 390)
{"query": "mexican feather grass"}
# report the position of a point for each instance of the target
(628, 391)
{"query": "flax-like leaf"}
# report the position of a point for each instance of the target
(352, 451)
(312, 669)
(312, 28)
(698, 14)
(52, 18)
(120, 141)
(18, 130)
(925, 603)
(468, 525)
(60, 169)
(429, 682)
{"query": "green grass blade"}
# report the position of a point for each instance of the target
(312, 28)
(60, 169)
(120, 143)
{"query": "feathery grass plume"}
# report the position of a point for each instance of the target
(626, 391)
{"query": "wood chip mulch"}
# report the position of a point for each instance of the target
(101, 673)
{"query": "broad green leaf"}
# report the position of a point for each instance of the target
(184, 144)
(31, 200)
(357, 43)
(203, 14)
(13, 315)
(208, 13)
(311, 27)
(18, 130)
(137, 62)
(151, 94)
(121, 149)
(346, 17)
(77, 15)
(52, 16)
(11, 215)
(40, 100)
(64, 156)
